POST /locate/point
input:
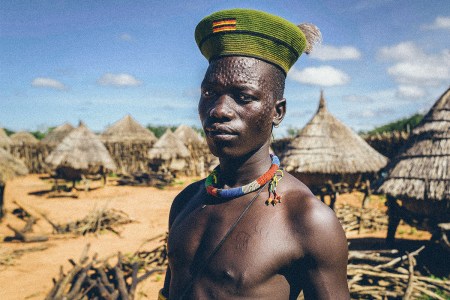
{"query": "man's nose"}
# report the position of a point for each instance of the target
(222, 108)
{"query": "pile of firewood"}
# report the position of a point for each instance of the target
(361, 219)
(91, 278)
(96, 222)
(385, 275)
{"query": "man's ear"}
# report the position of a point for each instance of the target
(280, 112)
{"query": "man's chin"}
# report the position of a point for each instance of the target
(225, 150)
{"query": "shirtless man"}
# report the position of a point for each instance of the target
(244, 247)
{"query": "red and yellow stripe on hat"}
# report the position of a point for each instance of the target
(224, 25)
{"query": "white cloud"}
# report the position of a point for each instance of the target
(43, 82)
(119, 80)
(439, 23)
(357, 98)
(126, 37)
(326, 52)
(367, 113)
(410, 91)
(321, 76)
(401, 52)
(431, 71)
(414, 67)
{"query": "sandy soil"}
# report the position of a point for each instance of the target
(31, 275)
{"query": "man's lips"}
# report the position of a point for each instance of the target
(219, 131)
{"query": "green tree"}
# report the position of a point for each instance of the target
(159, 130)
(399, 125)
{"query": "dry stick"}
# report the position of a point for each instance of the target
(146, 275)
(76, 288)
(29, 224)
(120, 279)
(102, 289)
(134, 280)
(104, 279)
(443, 284)
(429, 293)
(398, 259)
(61, 285)
(410, 286)
(355, 279)
(25, 209)
(25, 237)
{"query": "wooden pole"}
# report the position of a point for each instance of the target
(394, 219)
(2, 191)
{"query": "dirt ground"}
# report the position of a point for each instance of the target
(30, 276)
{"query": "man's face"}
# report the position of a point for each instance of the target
(236, 106)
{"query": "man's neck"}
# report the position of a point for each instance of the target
(242, 170)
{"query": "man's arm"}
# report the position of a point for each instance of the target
(325, 253)
(178, 204)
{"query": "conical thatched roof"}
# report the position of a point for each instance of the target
(23, 138)
(5, 141)
(167, 147)
(188, 135)
(327, 146)
(422, 169)
(56, 136)
(128, 130)
(81, 150)
(10, 167)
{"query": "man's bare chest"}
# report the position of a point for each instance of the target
(255, 250)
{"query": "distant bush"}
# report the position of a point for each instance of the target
(8, 131)
(400, 125)
(159, 130)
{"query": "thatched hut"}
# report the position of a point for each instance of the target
(420, 175)
(28, 149)
(23, 138)
(80, 153)
(199, 151)
(169, 154)
(56, 136)
(128, 142)
(188, 135)
(327, 151)
(5, 140)
(10, 167)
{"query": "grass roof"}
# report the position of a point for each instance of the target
(128, 130)
(10, 166)
(422, 169)
(81, 149)
(327, 146)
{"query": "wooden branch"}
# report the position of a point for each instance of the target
(25, 237)
(398, 259)
(410, 286)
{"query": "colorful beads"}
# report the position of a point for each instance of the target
(270, 175)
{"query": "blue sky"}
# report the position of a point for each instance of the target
(96, 61)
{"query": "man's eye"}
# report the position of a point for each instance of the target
(207, 93)
(245, 98)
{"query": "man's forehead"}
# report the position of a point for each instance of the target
(239, 68)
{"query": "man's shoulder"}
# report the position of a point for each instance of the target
(184, 197)
(192, 189)
(309, 217)
(312, 222)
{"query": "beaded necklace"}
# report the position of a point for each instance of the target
(274, 175)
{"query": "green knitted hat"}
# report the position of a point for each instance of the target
(246, 32)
